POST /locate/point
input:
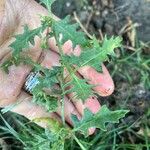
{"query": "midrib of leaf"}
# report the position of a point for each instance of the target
(91, 59)
(78, 82)
(84, 124)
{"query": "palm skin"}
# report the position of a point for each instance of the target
(13, 15)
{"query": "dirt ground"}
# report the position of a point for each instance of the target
(108, 15)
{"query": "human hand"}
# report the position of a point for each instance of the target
(13, 15)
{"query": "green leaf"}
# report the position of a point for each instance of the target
(55, 134)
(23, 40)
(97, 120)
(65, 31)
(51, 138)
(80, 87)
(96, 54)
(50, 77)
(110, 44)
(47, 79)
(41, 98)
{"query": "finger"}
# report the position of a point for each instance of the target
(103, 81)
(67, 47)
(32, 111)
(8, 25)
(8, 21)
(11, 83)
(91, 103)
(30, 12)
(4, 51)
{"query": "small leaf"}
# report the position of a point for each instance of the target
(41, 98)
(110, 44)
(65, 31)
(80, 87)
(96, 54)
(23, 40)
(97, 120)
(5, 66)
(16, 61)
(46, 80)
(50, 77)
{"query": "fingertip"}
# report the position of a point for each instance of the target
(67, 47)
(91, 130)
(92, 104)
(108, 83)
(77, 50)
(103, 82)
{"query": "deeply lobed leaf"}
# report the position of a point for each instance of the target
(50, 103)
(80, 87)
(50, 77)
(97, 120)
(65, 31)
(23, 40)
(47, 80)
(95, 54)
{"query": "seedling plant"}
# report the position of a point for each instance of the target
(93, 54)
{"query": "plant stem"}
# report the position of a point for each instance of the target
(62, 101)
(80, 144)
(61, 80)
(49, 8)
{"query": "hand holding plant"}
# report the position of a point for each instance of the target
(69, 63)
